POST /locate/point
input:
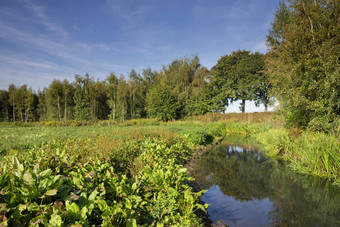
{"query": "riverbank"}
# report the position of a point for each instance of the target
(246, 188)
(304, 151)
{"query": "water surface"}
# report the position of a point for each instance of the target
(247, 189)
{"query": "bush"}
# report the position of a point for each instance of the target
(200, 138)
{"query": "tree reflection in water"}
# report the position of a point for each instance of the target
(242, 174)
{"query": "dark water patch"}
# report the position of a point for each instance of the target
(247, 189)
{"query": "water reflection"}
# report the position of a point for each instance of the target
(246, 189)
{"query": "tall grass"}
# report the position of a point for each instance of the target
(312, 153)
(258, 117)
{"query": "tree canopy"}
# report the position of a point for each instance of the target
(240, 76)
(303, 61)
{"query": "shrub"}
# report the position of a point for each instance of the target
(200, 138)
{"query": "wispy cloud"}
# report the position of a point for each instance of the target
(39, 12)
(37, 64)
(131, 12)
(32, 39)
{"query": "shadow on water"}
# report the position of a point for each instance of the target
(247, 189)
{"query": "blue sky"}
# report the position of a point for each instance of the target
(42, 40)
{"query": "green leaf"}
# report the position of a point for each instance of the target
(102, 205)
(45, 173)
(56, 220)
(19, 166)
(132, 223)
(74, 196)
(73, 210)
(93, 195)
(51, 192)
(78, 182)
(84, 212)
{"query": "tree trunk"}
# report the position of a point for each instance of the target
(7, 113)
(65, 108)
(266, 107)
(133, 106)
(114, 110)
(13, 111)
(243, 106)
(26, 115)
(59, 108)
(94, 109)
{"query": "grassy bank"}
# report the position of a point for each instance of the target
(312, 153)
(306, 152)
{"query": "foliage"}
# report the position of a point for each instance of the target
(161, 104)
(239, 76)
(303, 61)
(200, 138)
(99, 181)
(313, 153)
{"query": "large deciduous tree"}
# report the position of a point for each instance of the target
(303, 61)
(239, 76)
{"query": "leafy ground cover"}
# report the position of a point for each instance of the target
(100, 175)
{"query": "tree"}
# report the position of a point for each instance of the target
(262, 86)
(42, 106)
(29, 107)
(303, 61)
(4, 105)
(184, 76)
(112, 83)
(132, 92)
(82, 97)
(54, 98)
(68, 93)
(12, 90)
(161, 104)
(239, 76)
(99, 107)
(21, 103)
(122, 98)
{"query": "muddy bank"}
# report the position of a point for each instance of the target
(198, 154)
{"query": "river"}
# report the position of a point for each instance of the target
(244, 188)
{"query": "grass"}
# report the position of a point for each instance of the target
(313, 153)
(22, 135)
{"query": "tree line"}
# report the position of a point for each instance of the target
(182, 88)
(300, 70)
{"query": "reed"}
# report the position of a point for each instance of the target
(314, 153)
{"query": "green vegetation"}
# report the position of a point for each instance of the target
(313, 153)
(182, 88)
(105, 172)
(132, 173)
(303, 62)
(108, 176)
(239, 76)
